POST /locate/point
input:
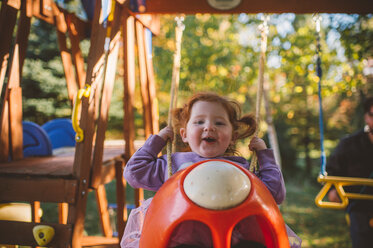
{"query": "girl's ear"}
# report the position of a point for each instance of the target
(183, 135)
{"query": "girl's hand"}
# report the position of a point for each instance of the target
(166, 133)
(257, 144)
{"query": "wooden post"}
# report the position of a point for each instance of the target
(129, 91)
(8, 17)
(144, 79)
(83, 150)
(61, 29)
(151, 87)
(75, 49)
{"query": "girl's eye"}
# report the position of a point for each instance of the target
(198, 122)
(220, 123)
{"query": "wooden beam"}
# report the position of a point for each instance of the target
(147, 118)
(15, 122)
(20, 233)
(83, 154)
(121, 198)
(103, 213)
(264, 6)
(21, 189)
(151, 85)
(15, 76)
(129, 84)
(74, 35)
(8, 18)
(151, 22)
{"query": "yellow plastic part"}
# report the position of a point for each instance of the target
(86, 91)
(15, 212)
(339, 183)
(43, 234)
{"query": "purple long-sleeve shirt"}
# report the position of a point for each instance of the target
(146, 170)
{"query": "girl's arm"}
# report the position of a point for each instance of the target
(145, 169)
(270, 174)
(269, 171)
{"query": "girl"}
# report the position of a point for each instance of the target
(210, 125)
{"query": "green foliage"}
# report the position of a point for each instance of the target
(44, 86)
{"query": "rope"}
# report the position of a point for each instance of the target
(174, 85)
(317, 18)
(263, 48)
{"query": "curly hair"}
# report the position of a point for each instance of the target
(243, 126)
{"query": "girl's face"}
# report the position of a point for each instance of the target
(208, 131)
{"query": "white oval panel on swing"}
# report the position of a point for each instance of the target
(217, 185)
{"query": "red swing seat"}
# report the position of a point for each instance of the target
(171, 206)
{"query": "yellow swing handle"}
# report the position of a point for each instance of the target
(338, 183)
(86, 91)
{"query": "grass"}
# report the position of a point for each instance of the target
(321, 228)
(315, 226)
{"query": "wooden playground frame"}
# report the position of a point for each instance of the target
(91, 166)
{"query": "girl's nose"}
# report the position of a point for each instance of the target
(209, 127)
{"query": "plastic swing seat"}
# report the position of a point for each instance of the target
(171, 206)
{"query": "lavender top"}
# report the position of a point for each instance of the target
(146, 170)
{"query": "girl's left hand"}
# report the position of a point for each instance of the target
(257, 144)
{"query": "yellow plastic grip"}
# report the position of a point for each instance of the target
(338, 183)
(333, 205)
(86, 91)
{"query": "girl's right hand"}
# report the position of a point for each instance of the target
(166, 133)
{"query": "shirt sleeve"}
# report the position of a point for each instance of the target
(337, 162)
(271, 175)
(145, 169)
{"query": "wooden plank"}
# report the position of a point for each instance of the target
(144, 90)
(110, 65)
(8, 18)
(102, 208)
(20, 233)
(129, 92)
(4, 131)
(35, 208)
(15, 75)
(74, 35)
(16, 4)
(129, 84)
(265, 6)
(151, 86)
(39, 189)
(82, 161)
(43, 10)
(100, 242)
(15, 120)
(121, 198)
(71, 83)
(151, 22)
(63, 209)
(20, 49)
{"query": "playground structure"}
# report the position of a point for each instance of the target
(67, 179)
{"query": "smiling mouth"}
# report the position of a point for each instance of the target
(209, 139)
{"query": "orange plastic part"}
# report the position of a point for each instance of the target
(171, 206)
